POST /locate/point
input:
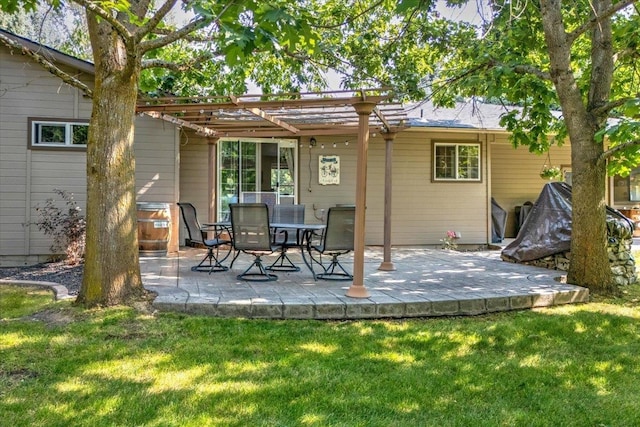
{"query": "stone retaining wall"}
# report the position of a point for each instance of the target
(623, 265)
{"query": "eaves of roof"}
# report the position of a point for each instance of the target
(51, 54)
(465, 116)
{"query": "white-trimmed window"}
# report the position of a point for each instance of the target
(58, 133)
(456, 161)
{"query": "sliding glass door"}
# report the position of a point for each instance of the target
(256, 170)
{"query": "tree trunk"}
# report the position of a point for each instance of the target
(112, 270)
(589, 258)
(589, 263)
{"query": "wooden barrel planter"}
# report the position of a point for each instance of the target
(154, 227)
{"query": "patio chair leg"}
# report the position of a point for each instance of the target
(262, 275)
(283, 263)
(212, 262)
(330, 272)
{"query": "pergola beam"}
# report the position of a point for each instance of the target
(176, 121)
(260, 113)
(151, 104)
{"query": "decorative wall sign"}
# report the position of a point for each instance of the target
(328, 170)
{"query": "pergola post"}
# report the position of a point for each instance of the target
(387, 264)
(357, 289)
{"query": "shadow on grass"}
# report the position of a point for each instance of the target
(564, 366)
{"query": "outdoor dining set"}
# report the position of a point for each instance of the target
(257, 229)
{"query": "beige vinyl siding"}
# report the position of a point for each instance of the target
(515, 175)
(28, 177)
(422, 211)
(157, 164)
(52, 170)
(194, 174)
(322, 197)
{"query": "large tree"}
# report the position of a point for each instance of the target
(279, 45)
(580, 58)
(570, 67)
(125, 39)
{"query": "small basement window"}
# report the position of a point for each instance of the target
(58, 133)
(454, 161)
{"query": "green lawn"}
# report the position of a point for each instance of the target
(575, 365)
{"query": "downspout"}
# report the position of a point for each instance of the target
(212, 178)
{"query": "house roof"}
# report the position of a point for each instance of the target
(49, 53)
(471, 115)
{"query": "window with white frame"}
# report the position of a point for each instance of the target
(58, 133)
(456, 161)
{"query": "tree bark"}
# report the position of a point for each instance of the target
(112, 269)
(589, 264)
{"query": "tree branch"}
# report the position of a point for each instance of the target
(492, 63)
(349, 19)
(140, 9)
(572, 36)
(625, 53)
(117, 25)
(189, 37)
(530, 69)
(152, 23)
(160, 63)
(171, 37)
(47, 65)
(605, 108)
(610, 152)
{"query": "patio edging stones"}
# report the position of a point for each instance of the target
(369, 309)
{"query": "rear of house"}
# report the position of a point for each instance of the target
(445, 172)
(43, 130)
(446, 167)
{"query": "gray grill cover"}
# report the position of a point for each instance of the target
(547, 228)
(498, 222)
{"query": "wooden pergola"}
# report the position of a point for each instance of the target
(358, 113)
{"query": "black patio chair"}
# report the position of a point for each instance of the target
(335, 240)
(286, 237)
(198, 238)
(252, 235)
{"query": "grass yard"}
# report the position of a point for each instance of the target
(575, 365)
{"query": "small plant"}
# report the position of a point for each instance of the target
(65, 225)
(551, 173)
(449, 241)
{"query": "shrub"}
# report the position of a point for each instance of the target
(65, 225)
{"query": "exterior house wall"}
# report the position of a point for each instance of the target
(194, 176)
(423, 211)
(29, 176)
(174, 165)
(157, 168)
(515, 175)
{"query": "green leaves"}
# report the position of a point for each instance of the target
(13, 6)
